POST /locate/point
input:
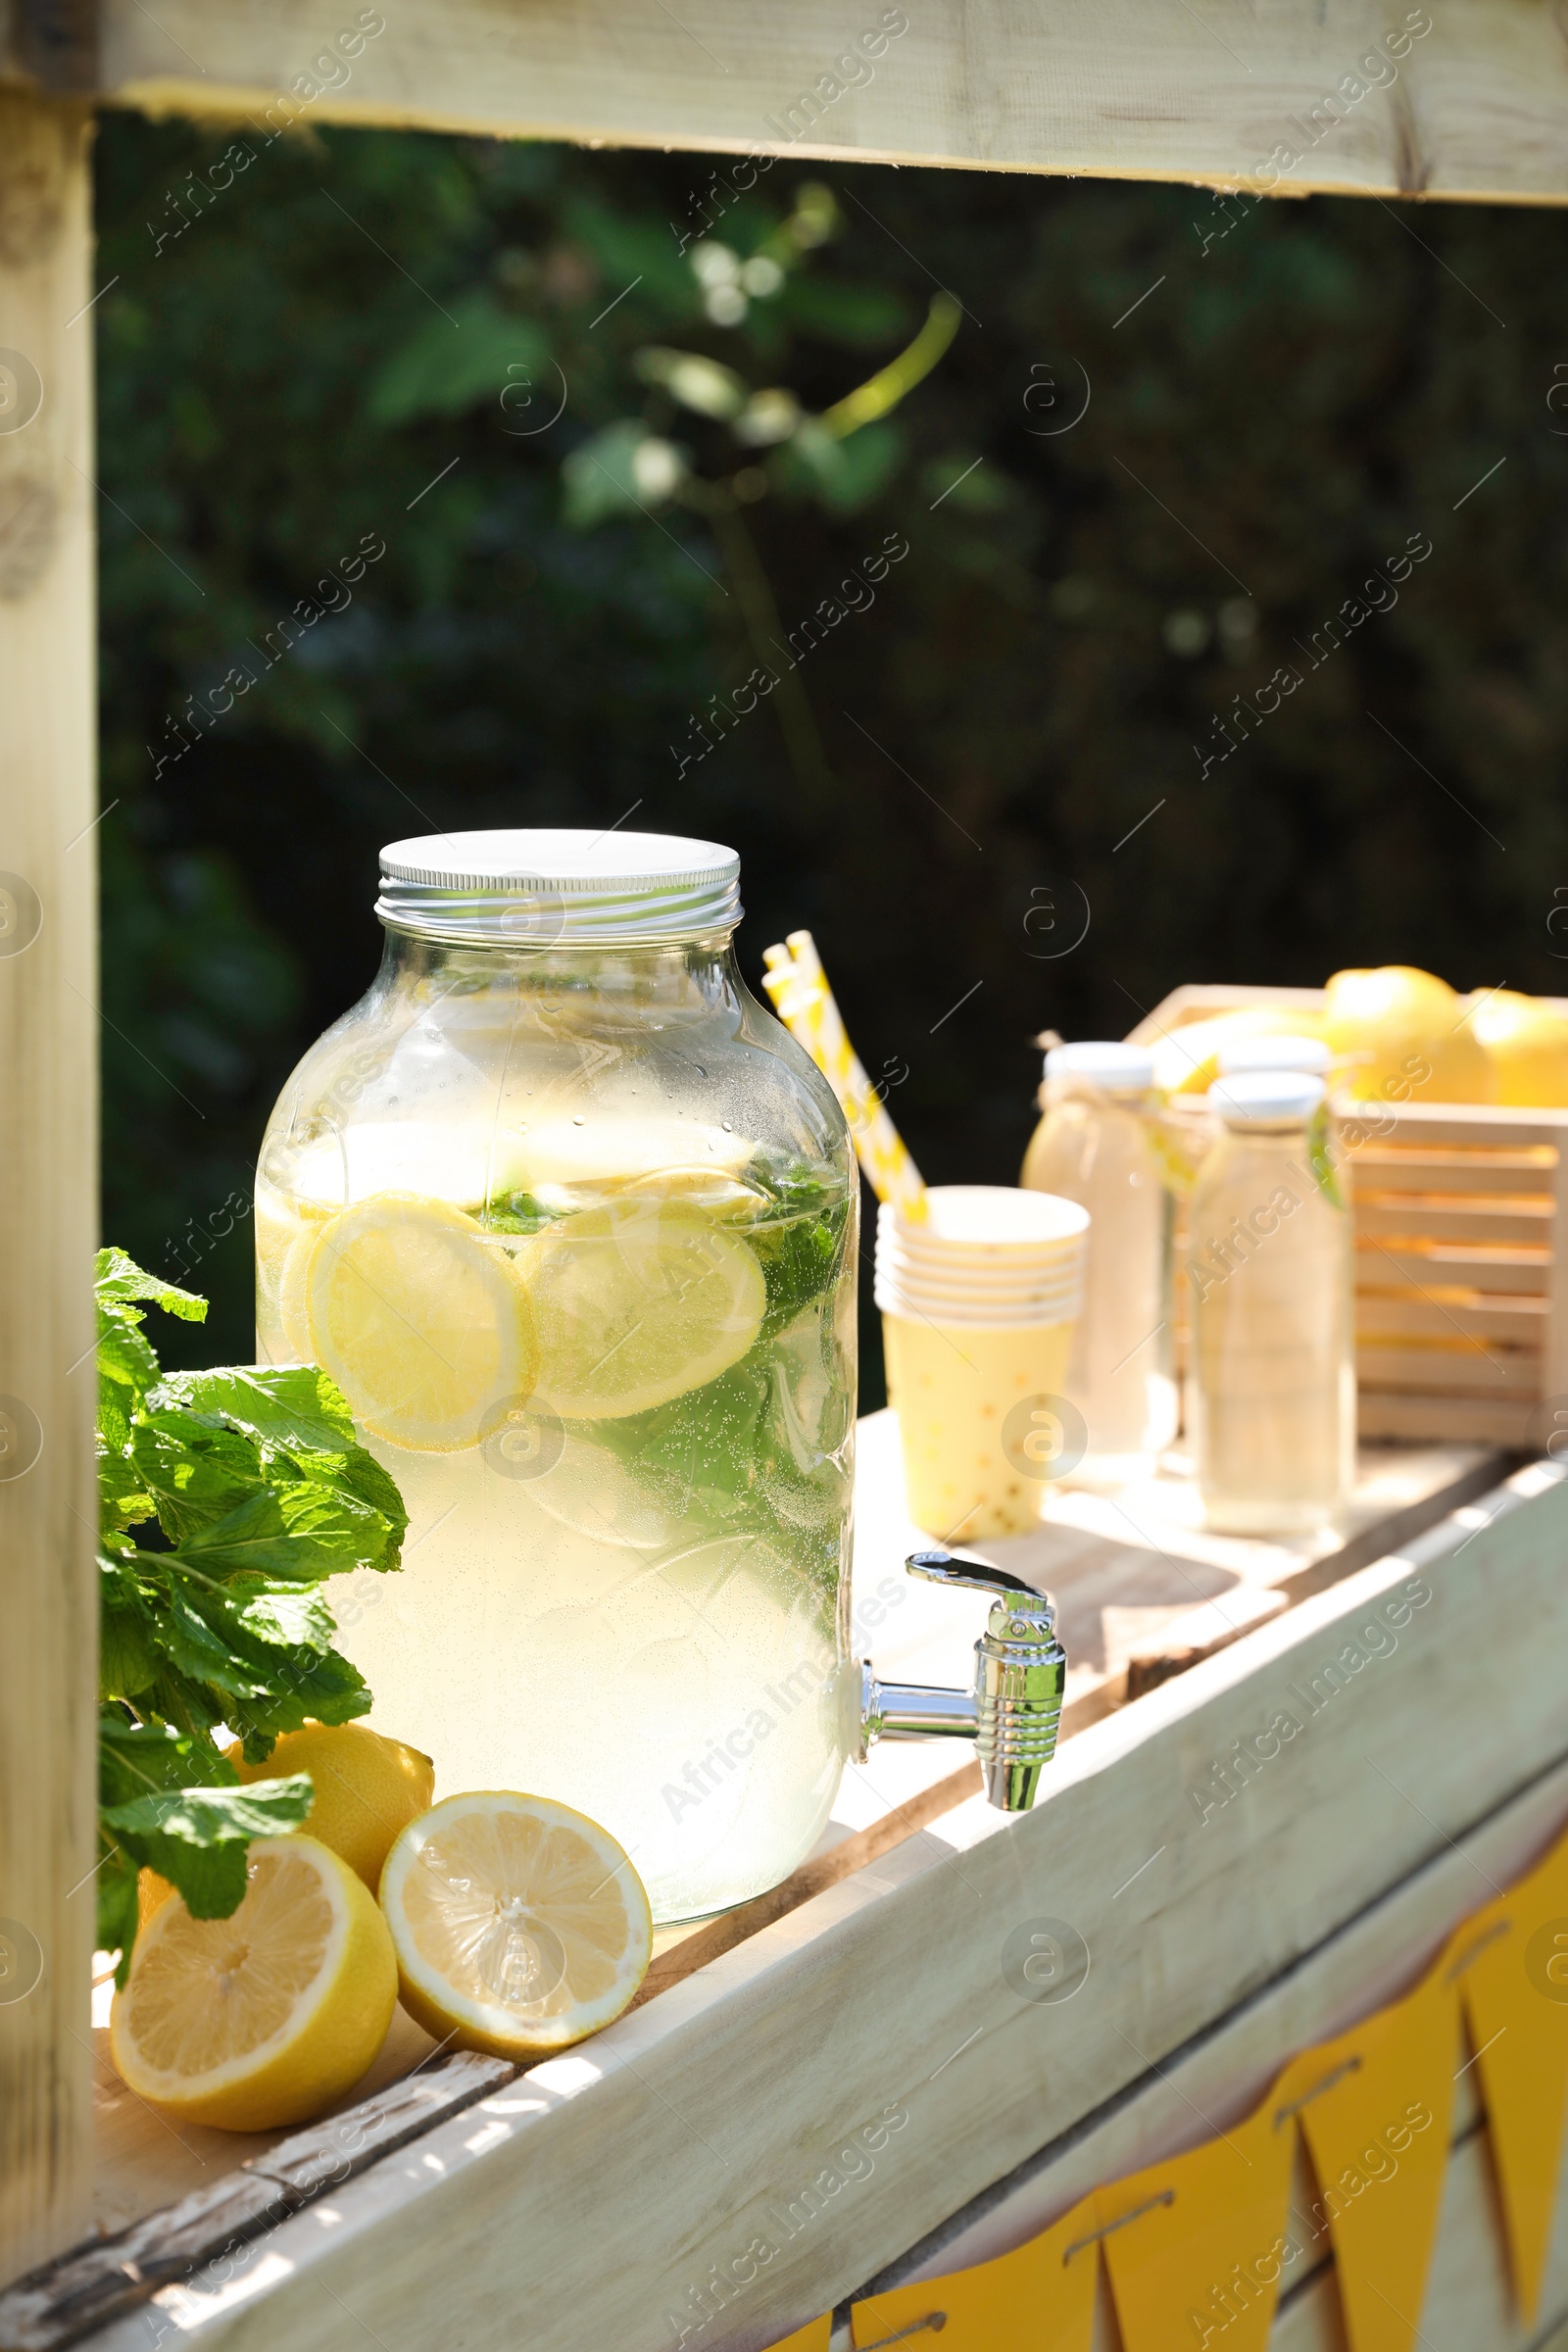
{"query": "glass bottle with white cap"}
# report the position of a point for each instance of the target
(1272, 1388)
(1094, 1147)
(572, 1221)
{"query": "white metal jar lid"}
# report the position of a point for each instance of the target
(1117, 1068)
(1265, 1097)
(572, 888)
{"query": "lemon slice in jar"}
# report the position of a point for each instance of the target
(519, 1926)
(268, 2016)
(635, 1303)
(419, 1319)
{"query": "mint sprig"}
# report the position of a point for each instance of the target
(226, 1497)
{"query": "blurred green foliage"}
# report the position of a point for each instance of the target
(367, 337)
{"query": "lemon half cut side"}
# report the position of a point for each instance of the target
(519, 1926)
(637, 1303)
(267, 2017)
(419, 1320)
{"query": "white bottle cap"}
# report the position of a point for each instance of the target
(1308, 1053)
(1119, 1069)
(1265, 1097)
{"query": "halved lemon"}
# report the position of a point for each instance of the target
(419, 1319)
(635, 1303)
(267, 2017)
(519, 1926)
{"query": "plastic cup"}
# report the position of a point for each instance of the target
(978, 1312)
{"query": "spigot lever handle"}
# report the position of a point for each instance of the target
(947, 1568)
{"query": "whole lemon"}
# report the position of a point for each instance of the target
(368, 1789)
(1405, 1036)
(1528, 1042)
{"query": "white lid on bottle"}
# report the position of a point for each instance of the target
(1305, 1054)
(568, 887)
(1119, 1069)
(1265, 1097)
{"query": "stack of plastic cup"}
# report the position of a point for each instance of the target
(978, 1308)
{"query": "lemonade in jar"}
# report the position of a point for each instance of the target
(572, 1223)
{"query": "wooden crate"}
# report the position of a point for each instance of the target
(1461, 1253)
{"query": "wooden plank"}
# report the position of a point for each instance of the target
(1220, 2076)
(1289, 94)
(1199, 1635)
(1470, 1124)
(1484, 1221)
(1201, 999)
(1404, 1314)
(48, 1181)
(1452, 1371)
(106, 2276)
(1449, 1265)
(1455, 1168)
(870, 2048)
(1554, 1371)
(1388, 1413)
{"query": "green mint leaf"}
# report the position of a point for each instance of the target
(800, 1259)
(296, 1407)
(122, 1499)
(216, 1816)
(302, 1533)
(195, 1475)
(134, 1758)
(359, 1474)
(517, 1212)
(114, 1424)
(126, 1360)
(200, 1652)
(127, 1658)
(302, 1688)
(119, 1279)
(294, 1618)
(210, 1878)
(190, 1707)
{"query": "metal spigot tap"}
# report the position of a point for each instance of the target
(1014, 1709)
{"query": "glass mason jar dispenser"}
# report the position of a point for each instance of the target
(572, 1222)
(1272, 1388)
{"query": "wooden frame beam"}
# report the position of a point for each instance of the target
(48, 1179)
(1464, 99)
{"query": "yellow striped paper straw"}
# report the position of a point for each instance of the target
(803, 1001)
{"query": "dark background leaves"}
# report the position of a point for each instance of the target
(299, 365)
